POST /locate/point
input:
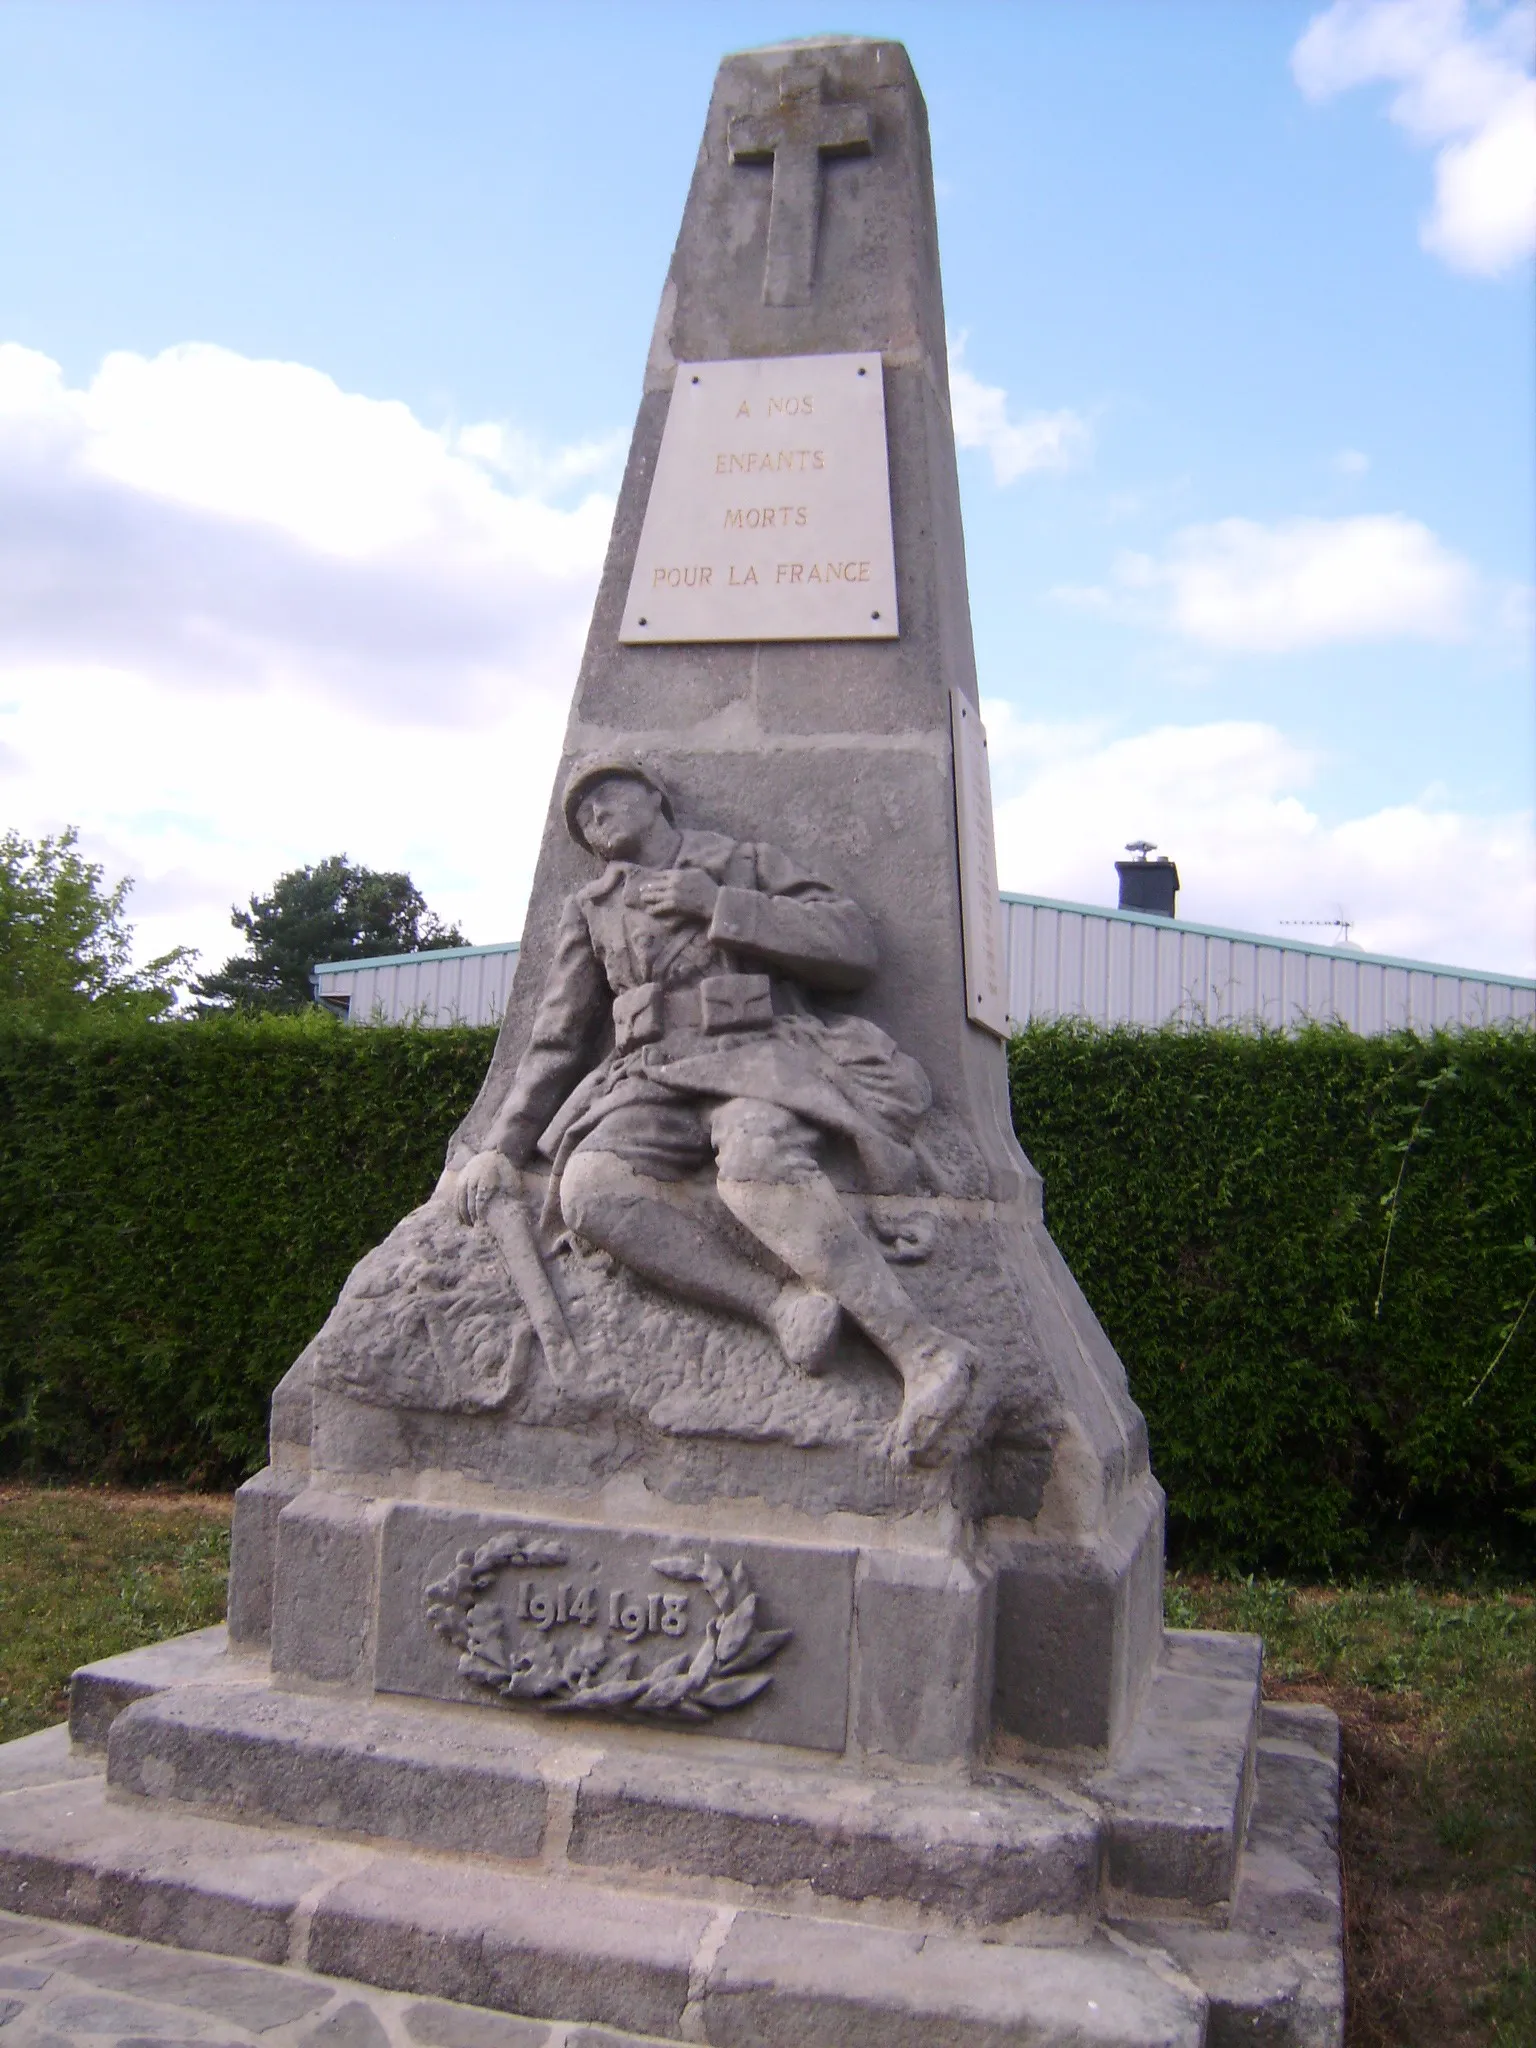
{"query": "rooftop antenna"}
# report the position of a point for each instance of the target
(1341, 925)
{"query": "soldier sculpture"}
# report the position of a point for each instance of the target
(702, 951)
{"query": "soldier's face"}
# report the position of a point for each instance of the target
(615, 816)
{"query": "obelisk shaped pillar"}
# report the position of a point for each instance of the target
(840, 750)
(810, 233)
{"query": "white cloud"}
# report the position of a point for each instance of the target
(1351, 462)
(528, 465)
(1228, 802)
(248, 619)
(1244, 588)
(1468, 93)
(1017, 447)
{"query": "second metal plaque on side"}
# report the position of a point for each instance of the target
(981, 910)
(770, 512)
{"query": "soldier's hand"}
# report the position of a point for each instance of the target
(486, 1175)
(679, 892)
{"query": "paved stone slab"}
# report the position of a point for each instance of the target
(134, 1994)
(353, 2025)
(1176, 1798)
(974, 1854)
(100, 2014)
(605, 2037)
(436, 2025)
(22, 1977)
(233, 1991)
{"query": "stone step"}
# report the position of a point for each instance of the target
(1171, 1809)
(519, 1787)
(1175, 1800)
(99, 1692)
(1275, 1973)
(551, 1944)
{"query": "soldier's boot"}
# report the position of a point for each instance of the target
(803, 1223)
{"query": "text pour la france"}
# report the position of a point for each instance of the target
(701, 575)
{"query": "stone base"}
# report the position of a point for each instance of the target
(1012, 1847)
(618, 1877)
(1050, 1638)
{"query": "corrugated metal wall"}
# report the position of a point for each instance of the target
(459, 985)
(1064, 960)
(1121, 967)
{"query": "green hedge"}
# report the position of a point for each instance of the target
(1309, 1250)
(180, 1203)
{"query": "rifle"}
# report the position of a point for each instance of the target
(505, 1217)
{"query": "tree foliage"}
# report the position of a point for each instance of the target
(335, 910)
(66, 948)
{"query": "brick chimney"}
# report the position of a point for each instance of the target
(1147, 885)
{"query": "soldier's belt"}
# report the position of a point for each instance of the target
(721, 1002)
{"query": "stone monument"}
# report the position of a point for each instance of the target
(709, 1556)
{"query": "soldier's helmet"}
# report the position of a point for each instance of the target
(594, 768)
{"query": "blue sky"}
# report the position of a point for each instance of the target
(321, 330)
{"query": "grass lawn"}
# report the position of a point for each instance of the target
(1436, 1691)
(86, 1572)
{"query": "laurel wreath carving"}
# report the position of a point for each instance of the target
(724, 1672)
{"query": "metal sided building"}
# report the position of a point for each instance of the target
(1063, 960)
(453, 985)
(1129, 967)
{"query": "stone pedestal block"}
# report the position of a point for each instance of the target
(1079, 1621)
(253, 1551)
(325, 1618)
(924, 1625)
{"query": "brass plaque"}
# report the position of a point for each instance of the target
(770, 512)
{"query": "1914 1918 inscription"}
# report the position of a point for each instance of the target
(530, 1626)
(769, 516)
(751, 1637)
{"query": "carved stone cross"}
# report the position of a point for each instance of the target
(794, 138)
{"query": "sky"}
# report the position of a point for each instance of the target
(322, 328)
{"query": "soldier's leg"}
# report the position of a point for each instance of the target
(768, 1177)
(623, 1190)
